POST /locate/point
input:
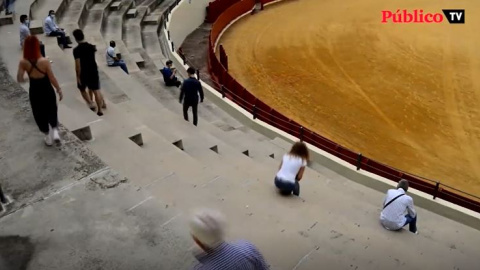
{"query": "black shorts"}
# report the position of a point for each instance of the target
(90, 82)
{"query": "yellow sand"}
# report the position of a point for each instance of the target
(407, 95)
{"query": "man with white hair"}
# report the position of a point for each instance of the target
(395, 205)
(208, 228)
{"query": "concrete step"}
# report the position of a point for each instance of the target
(75, 15)
(94, 21)
(117, 5)
(250, 147)
(133, 30)
(152, 19)
(150, 41)
(157, 120)
(138, 59)
(113, 31)
(132, 13)
(41, 9)
(36, 27)
(6, 19)
(233, 196)
(114, 23)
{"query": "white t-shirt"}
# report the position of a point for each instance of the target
(290, 167)
(110, 53)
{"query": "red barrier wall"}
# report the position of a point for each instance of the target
(225, 12)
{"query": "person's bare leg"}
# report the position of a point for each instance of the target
(88, 99)
(92, 96)
(99, 101)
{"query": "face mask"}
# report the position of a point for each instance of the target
(53, 16)
(27, 23)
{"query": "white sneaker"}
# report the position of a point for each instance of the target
(56, 136)
(48, 140)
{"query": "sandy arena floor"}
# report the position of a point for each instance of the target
(407, 95)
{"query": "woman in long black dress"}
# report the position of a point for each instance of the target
(42, 95)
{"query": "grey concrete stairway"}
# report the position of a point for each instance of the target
(177, 167)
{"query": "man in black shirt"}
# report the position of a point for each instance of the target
(190, 90)
(87, 72)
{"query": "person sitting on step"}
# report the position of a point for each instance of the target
(169, 73)
(395, 205)
(25, 32)
(113, 60)
(51, 29)
(291, 169)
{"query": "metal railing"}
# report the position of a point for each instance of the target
(231, 89)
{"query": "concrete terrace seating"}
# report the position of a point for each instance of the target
(6, 19)
(138, 59)
(221, 163)
(152, 19)
(36, 27)
(113, 30)
(132, 13)
(116, 5)
(132, 37)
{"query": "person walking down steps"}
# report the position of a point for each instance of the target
(42, 95)
(190, 91)
(87, 73)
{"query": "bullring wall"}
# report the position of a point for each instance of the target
(189, 15)
(236, 100)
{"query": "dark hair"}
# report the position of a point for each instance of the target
(169, 62)
(78, 34)
(403, 184)
(112, 43)
(191, 71)
(299, 149)
(50, 12)
(23, 18)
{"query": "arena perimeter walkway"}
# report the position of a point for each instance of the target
(135, 219)
(406, 95)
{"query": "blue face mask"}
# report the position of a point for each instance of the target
(27, 23)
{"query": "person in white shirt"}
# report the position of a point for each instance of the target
(112, 59)
(51, 29)
(25, 32)
(291, 169)
(395, 205)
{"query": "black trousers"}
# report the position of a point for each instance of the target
(61, 34)
(194, 106)
(7, 5)
(42, 49)
(173, 82)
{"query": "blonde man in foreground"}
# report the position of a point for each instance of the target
(208, 228)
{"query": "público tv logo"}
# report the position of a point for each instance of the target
(453, 16)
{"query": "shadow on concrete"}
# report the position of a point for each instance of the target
(15, 252)
(195, 48)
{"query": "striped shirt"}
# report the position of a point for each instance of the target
(241, 255)
(393, 216)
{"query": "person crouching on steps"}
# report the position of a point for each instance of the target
(291, 169)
